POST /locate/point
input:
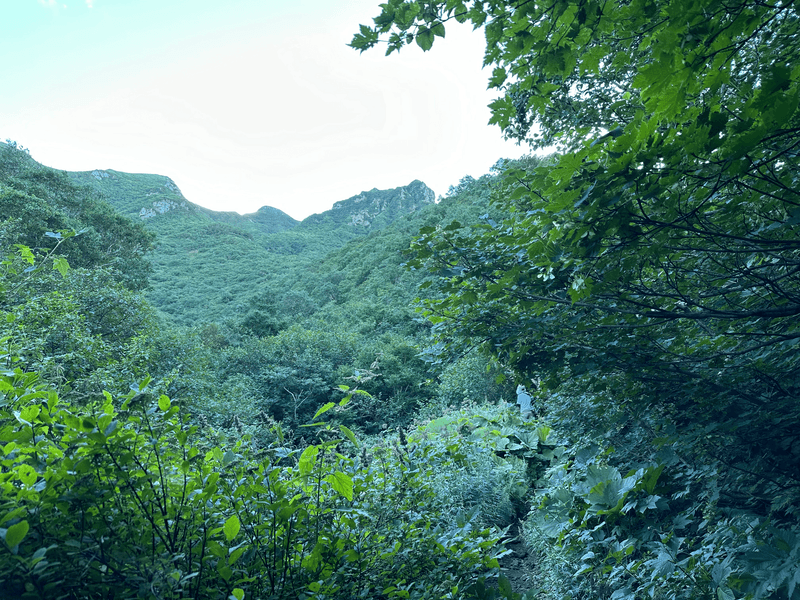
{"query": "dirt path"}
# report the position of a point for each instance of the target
(519, 566)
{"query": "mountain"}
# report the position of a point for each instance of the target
(277, 320)
(143, 196)
(208, 264)
(376, 208)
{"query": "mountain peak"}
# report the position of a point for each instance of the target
(363, 209)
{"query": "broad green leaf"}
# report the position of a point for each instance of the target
(25, 253)
(342, 483)
(216, 549)
(307, 460)
(61, 265)
(543, 432)
(26, 474)
(231, 527)
(224, 571)
(424, 39)
(16, 533)
(164, 403)
(725, 593)
(236, 594)
(228, 458)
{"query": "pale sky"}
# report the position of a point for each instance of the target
(243, 103)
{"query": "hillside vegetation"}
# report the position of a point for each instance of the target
(207, 264)
(323, 409)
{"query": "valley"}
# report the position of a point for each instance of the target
(208, 405)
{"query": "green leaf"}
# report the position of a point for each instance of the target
(216, 549)
(231, 527)
(350, 435)
(163, 403)
(342, 483)
(314, 559)
(324, 408)
(16, 533)
(61, 265)
(505, 586)
(424, 39)
(725, 593)
(228, 458)
(499, 76)
(25, 253)
(236, 594)
(27, 475)
(307, 460)
(224, 571)
(237, 554)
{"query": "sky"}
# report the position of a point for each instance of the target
(243, 103)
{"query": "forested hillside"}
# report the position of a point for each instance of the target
(207, 264)
(208, 405)
(221, 398)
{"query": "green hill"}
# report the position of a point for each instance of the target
(144, 196)
(207, 264)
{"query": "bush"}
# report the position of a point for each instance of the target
(114, 500)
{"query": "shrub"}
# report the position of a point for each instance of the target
(115, 500)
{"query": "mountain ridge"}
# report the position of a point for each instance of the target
(224, 257)
(146, 196)
(206, 265)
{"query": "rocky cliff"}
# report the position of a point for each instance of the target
(363, 209)
(376, 208)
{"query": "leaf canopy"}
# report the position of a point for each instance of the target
(652, 267)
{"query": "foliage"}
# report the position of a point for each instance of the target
(609, 524)
(117, 492)
(254, 260)
(80, 329)
(36, 199)
(346, 319)
(123, 498)
(648, 275)
(499, 458)
(472, 379)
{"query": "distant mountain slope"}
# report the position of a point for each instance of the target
(35, 199)
(207, 264)
(144, 196)
(376, 208)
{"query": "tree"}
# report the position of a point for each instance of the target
(36, 199)
(85, 328)
(655, 264)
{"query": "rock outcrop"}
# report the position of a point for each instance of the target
(363, 210)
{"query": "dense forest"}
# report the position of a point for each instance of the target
(209, 405)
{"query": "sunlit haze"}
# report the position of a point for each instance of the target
(243, 103)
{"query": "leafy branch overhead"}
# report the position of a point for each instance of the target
(665, 235)
(652, 267)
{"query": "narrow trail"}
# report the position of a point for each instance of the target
(519, 566)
